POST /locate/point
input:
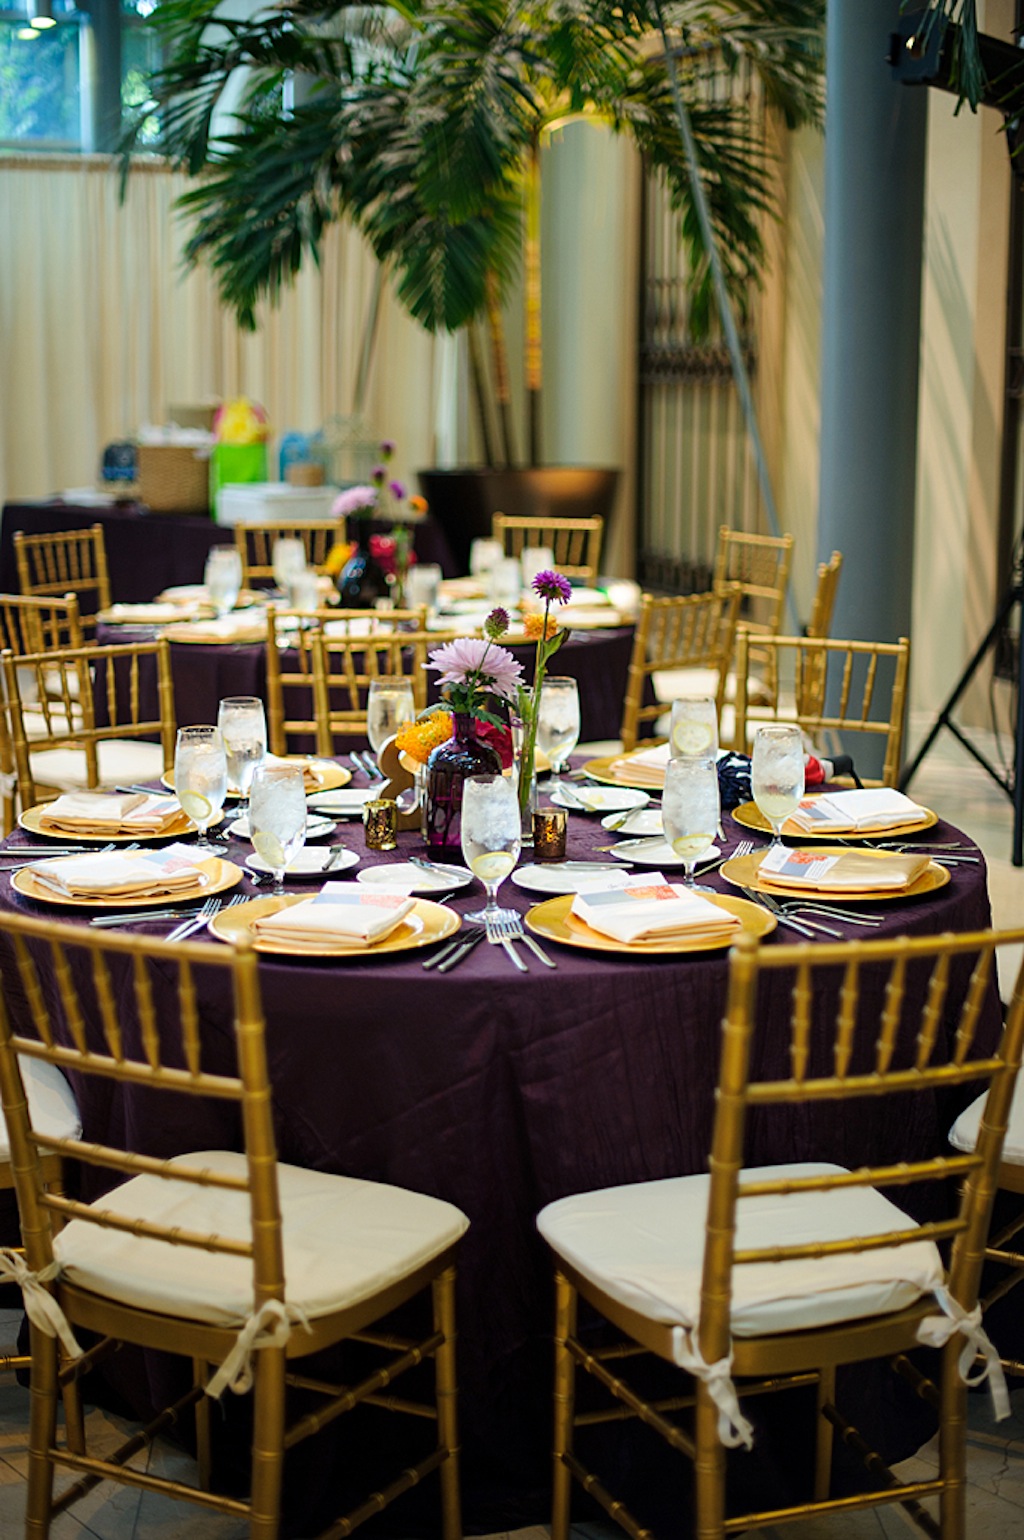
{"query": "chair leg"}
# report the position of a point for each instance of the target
(446, 1390)
(200, 1373)
(823, 1439)
(953, 1446)
(42, 1431)
(709, 1469)
(267, 1444)
(74, 1419)
(565, 1401)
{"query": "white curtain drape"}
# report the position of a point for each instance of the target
(101, 329)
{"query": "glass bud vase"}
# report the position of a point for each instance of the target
(450, 764)
(362, 580)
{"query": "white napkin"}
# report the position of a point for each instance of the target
(875, 807)
(337, 913)
(141, 614)
(110, 813)
(848, 871)
(312, 778)
(646, 767)
(652, 910)
(122, 874)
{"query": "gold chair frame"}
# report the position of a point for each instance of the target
(61, 683)
(128, 975)
(67, 561)
(695, 631)
(255, 545)
(760, 564)
(32, 624)
(819, 666)
(823, 607)
(767, 1363)
(576, 543)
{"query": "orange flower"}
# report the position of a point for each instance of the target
(418, 504)
(337, 556)
(418, 739)
(533, 625)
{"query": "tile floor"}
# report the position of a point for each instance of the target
(948, 780)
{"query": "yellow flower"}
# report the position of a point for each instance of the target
(337, 556)
(418, 739)
(533, 625)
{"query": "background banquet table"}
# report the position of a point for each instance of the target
(500, 1092)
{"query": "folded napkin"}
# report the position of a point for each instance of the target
(122, 874)
(312, 776)
(96, 812)
(142, 614)
(338, 913)
(647, 768)
(247, 626)
(841, 872)
(642, 909)
(837, 812)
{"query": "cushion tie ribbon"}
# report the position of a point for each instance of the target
(733, 1428)
(269, 1326)
(41, 1307)
(936, 1330)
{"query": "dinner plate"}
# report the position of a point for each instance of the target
(326, 771)
(29, 821)
(403, 877)
(599, 799)
(742, 872)
(221, 875)
(601, 770)
(554, 922)
(749, 816)
(316, 828)
(641, 821)
(309, 864)
(661, 854)
(344, 802)
(422, 926)
(554, 878)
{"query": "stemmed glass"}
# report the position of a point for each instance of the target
(288, 558)
(277, 817)
(243, 726)
(690, 810)
(201, 779)
(558, 723)
(223, 577)
(693, 733)
(389, 704)
(777, 774)
(490, 835)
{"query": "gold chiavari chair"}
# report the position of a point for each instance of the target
(758, 1279)
(255, 545)
(855, 691)
(31, 625)
(823, 607)
(320, 665)
(760, 564)
(232, 1260)
(68, 561)
(576, 543)
(91, 728)
(696, 631)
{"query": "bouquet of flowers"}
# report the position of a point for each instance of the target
(473, 669)
(384, 497)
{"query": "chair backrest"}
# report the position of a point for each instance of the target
(320, 665)
(81, 696)
(576, 543)
(29, 624)
(695, 631)
(93, 1000)
(760, 564)
(844, 1046)
(255, 545)
(72, 560)
(820, 623)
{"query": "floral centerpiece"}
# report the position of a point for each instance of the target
(553, 588)
(377, 565)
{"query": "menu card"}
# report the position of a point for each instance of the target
(650, 908)
(123, 874)
(98, 812)
(338, 912)
(848, 871)
(845, 812)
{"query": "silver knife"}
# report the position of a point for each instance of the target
(537, 951)
(461, 951)
(337, 851)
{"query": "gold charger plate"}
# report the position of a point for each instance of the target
(554, 922)
(601, 770)
(29, 820)
(222, 875)
(329, 775)
(742, 872)
(425, 924)
(749, 816)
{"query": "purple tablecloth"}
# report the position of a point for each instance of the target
(501, 1091)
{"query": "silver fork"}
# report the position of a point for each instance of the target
(137, 916)
(513, 927)
(196, 921)
(498, 936)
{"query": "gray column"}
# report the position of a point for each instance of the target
(874, 220)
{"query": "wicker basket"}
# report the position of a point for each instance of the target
(174, 478)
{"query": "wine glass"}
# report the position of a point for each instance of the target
(558, 723)
(777, 774)
(388, 704)
(693, 733)
(243, 726)
(690, 810)
(201, 779)
(287, 559)
(277, 817)
(491, 835)
(223, 577)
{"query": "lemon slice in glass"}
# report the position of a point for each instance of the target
(690, 846)
(269, 848)
(493, 866)
(196, 806)
(692, 738)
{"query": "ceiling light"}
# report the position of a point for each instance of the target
(41, 14)
(26, 33)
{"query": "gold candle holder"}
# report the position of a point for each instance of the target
(549, 824)
(381, 820)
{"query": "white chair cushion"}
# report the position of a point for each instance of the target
(964, 1133)
(644, 1246)
(121, 761)
(344, 1241)
(51, 1103)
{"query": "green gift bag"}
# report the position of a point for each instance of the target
(234, 463)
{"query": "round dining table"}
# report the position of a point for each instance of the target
(501, 1091)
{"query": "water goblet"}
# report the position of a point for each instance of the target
(223, 577)
(243, 726)
(201, 779)
(690, 810)
(491, 835)
(777, 774)
(558, 723)
(277, 817)
(287, 558)
(693, 733)
(389, 703)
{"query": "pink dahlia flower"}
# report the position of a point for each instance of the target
(474, 661)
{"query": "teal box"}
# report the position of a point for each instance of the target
(235, 463)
